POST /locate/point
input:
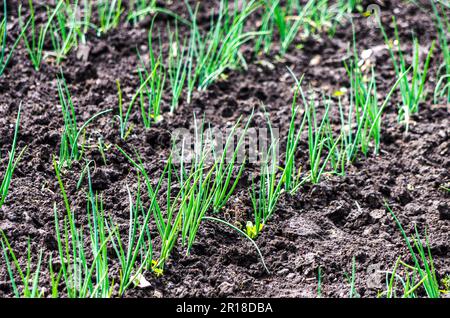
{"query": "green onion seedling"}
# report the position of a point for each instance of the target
(178, 62)
(168, 219)
(136, 7)
(82, 275)
(198, 190)
(317, 141)
(422, 272)
(70, 150)
(352, 281)
(411, 89)
(319, 282)
(218, 49)
(263, 42)
(29, 282)
(150, 96)
(326, 15)
(265, 197)
(64, 30)
(124, 114)
(34, 39)
(361, 122)
(109, 12)
(4, 56)
(226, 165)
(139, 9)
(291, 172)
(289, 20)
(12, 162)
(442, 90)
(136, 253)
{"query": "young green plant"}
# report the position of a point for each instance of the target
(361, 122)
(265, 197)
(150, 96)
(421, 274)
(124, 114)
(411, 89)
(219, 49)
(12, 163)
(70, 150)
(136, 253)
(292, 170)
(228, 161)
(178, 65)
(108, 12)
(29, 287)
(318, 140)
(442, 90)
(169, 219)
(65, 29)
(5, 56)
(34, 39)
(81, 275)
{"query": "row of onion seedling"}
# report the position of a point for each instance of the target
(201, 58)
(67, 25)
(442, 21)
(202, 188)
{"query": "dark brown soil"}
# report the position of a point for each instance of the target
(324, 225)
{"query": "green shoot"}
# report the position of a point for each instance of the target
(151, 95)
(363, 111)
(197, 190)
(29, 281)
(318, 138)
(136, 7)
(319, 282)
(226, 166)
(291, 171)
(263, 42)
(4, 57)
(289, 20)
(421, 274)
(169, 223)
(177, 65)
(35, 40)
(70, 150)
(80, 279)
(218, 49)
(326, 16)
(109, 12)
(442, 90)
(64, 30)
(124, 114)
(102, 148)
(12, 163)
(352, 281)
(411, 89)
(139, 245)
(265, 198)
(83, 25)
